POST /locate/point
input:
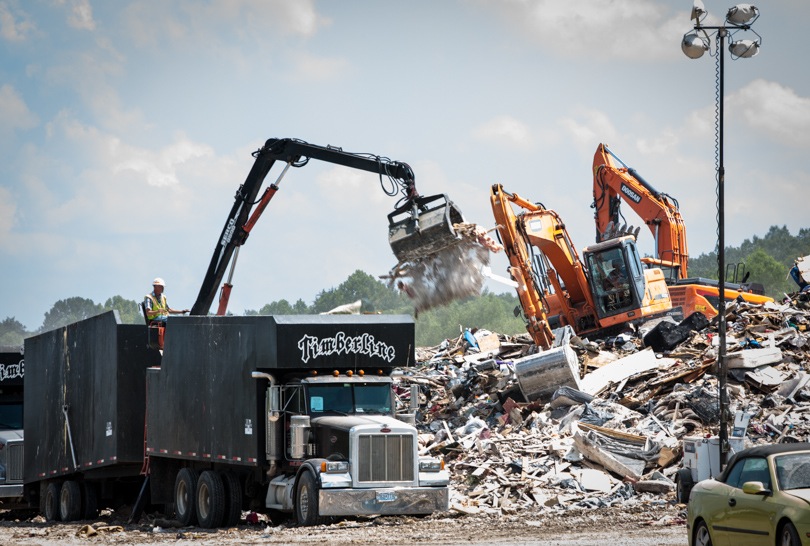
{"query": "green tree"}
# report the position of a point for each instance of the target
(68, 311)
(766, 270)
(283, 307)
(12, 332)
(128, 310)
(375, 295)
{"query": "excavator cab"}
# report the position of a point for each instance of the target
(617, 276)
(423, 226)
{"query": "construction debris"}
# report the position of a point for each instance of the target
(598, 422)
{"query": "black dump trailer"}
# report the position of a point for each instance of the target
(85, 402)
(12, 375)
(289, 414)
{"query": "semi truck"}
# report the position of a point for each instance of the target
(298, 415)
(12, 375)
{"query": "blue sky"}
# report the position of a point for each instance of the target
(126, 128)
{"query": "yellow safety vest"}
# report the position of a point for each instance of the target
(158, 306)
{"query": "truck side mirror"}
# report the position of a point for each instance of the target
(414, 398)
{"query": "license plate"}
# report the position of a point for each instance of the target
(386, 496)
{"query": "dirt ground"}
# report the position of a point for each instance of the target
(640, 525)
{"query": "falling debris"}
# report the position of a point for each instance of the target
(455, 272)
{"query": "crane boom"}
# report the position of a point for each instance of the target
(411, 238)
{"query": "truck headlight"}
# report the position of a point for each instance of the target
(431, 465)
(335, 467)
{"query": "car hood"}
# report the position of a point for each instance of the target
(803, 494)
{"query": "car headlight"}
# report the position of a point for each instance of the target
(431, 465)
(335, 467)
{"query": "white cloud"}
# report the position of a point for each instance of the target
(8, 209)
(309, 68)
(589, 127)
(81, 15)
(14, 113)
(152, 23)
(14, 24)
(618, 29)
(505, 131)
(775, 110)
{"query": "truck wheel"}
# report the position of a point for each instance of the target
(70, 501)
(233, 499)
(306, 501)
(210, 500)
(185, 489)
(51, 504)
(90, 498)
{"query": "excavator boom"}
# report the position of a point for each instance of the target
(613, 184)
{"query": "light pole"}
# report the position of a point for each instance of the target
(695, 43)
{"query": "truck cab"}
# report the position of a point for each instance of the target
(346, 444)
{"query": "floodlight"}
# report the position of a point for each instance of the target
(744, 48)
(694, 45)
(742, 14)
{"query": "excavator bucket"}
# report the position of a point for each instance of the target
(423, 227)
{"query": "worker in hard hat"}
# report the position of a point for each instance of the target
(155, 305)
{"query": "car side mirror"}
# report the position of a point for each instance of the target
(755, 488)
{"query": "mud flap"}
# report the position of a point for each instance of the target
(423, 227)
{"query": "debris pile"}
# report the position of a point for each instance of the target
(608, 427)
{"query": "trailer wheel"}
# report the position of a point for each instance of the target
(306, 501)
(683, 485)
(210, 500)
(90, 498)
(233, 499)
(51, 503)
(70, 501)
(185, 489)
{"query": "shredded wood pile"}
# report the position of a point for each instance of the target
(611, 430)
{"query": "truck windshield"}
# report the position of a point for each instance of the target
(347, 398)
(11, 416)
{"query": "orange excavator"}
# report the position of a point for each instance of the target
(614, 182)
(599, 294)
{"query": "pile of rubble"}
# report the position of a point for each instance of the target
(606, 425)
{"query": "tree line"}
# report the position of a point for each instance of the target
(766, 259)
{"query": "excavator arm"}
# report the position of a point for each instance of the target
(544, 263)
(408, 237)
(612, 184)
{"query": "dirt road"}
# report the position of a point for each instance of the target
(634, 526)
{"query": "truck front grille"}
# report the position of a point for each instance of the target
(386, 458)
(14, 467)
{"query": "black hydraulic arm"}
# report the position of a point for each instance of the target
(295, 153)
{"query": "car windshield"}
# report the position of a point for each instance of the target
(349, 398)
(793, 471)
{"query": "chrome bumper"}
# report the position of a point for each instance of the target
(351, 502)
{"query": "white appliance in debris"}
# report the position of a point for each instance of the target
(702, 455)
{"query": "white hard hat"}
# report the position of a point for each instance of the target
(159, 282)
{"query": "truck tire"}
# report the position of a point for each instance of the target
(233, 499)
(210, 500)
(50, 505)
(90, 501)
(306, 501)
(185, 493)
(70, 501)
